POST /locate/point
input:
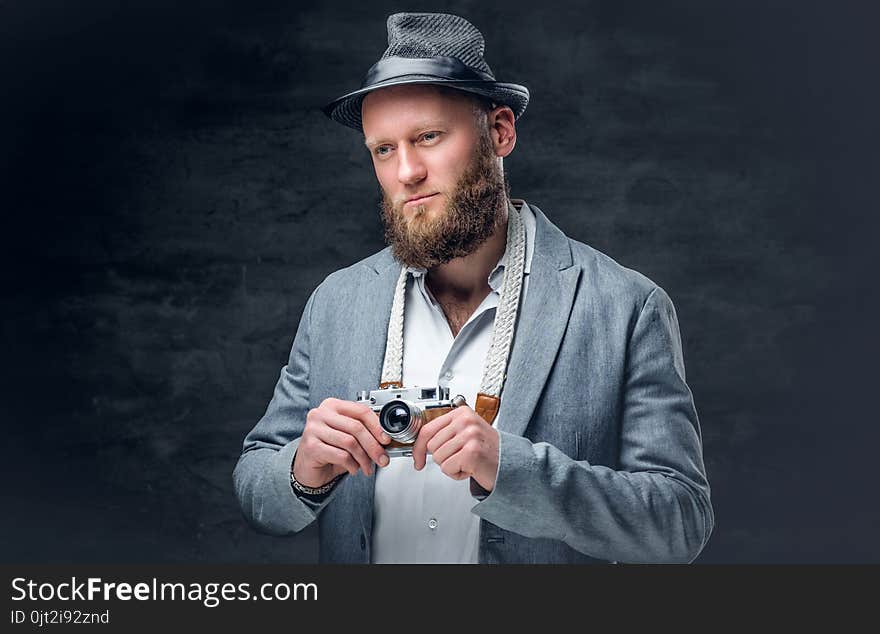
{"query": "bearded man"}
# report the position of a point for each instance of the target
(574, 437)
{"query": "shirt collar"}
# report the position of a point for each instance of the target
(496, 275)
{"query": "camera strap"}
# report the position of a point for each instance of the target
(495, 367)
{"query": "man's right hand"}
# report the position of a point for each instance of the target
(339, 436)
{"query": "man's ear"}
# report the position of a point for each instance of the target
(502, 129)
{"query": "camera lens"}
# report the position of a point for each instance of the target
(394, 417)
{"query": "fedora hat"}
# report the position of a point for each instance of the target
(430, 48)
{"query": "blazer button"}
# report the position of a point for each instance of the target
(363, 542)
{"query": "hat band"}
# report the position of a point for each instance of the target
(442, 67)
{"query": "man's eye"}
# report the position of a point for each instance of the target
(430, 136)
(382, 150)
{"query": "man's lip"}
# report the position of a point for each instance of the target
(412, 200)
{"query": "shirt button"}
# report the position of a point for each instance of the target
(432, 523)
(448, 375)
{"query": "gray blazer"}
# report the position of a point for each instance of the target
(600, 452)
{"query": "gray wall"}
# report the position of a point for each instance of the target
(171, 195)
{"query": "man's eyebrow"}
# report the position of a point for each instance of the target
(427, 123)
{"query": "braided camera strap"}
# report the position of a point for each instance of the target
(494, 372)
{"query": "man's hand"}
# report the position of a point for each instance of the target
(339, 436)
(463, 444)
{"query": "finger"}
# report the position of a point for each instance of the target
(452, 467)
(328, 454)
(357, 430)
(461, 414)
(426, 433)
(449, 448)
(366, 416)
(347, 443)
(444, 435)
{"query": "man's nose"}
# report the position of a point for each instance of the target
(410, 168)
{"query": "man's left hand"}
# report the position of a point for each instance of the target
(463, 444)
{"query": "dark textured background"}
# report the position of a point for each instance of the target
(171, 195)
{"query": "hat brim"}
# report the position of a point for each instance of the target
(347, 109)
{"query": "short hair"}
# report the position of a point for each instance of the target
(481, 107)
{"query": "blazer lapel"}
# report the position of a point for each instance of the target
(372, 307)
(541, 325)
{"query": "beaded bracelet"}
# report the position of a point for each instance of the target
(321, 490)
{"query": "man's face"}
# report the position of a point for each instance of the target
(442, 187)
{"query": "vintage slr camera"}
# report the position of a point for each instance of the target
(403, 411)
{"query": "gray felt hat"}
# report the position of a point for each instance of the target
(430, 48)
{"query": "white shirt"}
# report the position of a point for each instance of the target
(425, 516)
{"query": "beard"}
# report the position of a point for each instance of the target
(474, 210)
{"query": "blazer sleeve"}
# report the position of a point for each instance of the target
(262, 475)
(656, 506)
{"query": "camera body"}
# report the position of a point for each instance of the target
(403, 410)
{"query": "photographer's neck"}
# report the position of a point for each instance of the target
(461, 285)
